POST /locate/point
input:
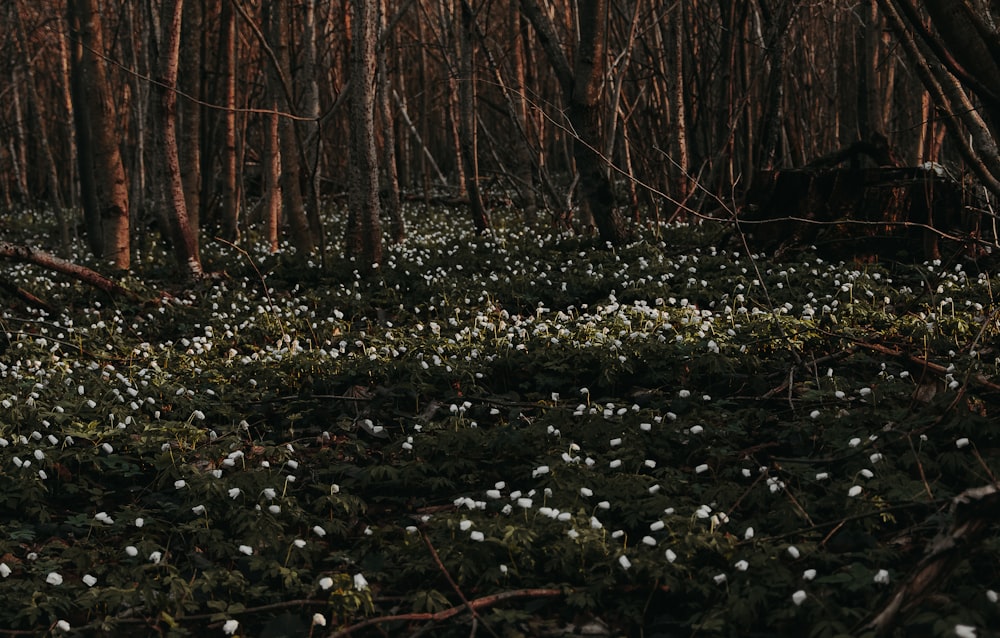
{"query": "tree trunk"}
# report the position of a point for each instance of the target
(272, 179)
(38, 122)
(184, 235)
(393, 207)
(291, 164)
(229, 213)
(110, 221)
(364, 232)
(467, 119)
(581, 85)
(310, 132)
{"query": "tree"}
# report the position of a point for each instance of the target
(959, 64)
(102, 174)
(581, 84)
(364, 230)
(185, 236)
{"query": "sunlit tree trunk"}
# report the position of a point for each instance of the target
(109, 223)
(271, 159)
(185, 236)
(229, 210)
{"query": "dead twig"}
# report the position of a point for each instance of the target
(484, 602)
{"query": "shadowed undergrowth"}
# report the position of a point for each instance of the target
(664, 440)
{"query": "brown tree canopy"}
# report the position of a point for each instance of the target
(630, 109)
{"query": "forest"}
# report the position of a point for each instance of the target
(507, 318)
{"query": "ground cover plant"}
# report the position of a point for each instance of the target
(514, 434)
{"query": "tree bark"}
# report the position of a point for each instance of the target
(185, 237)
(393, 208)
(581, 85)
(364, 232)
(271, 159)
(38, 122)
(229, 213)
(291, 161)
(108, 227)
(467, 119)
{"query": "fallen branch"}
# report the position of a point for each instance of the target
(479, 603)
(76, 271)
(973, 512)
(924, 364)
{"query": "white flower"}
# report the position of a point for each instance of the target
(319, 620)
(793, 551)
(992, 596)
(139, 522)
(524, 502)
(298, 542)
(229, 628)
(586, 491)
(671, 555)
(325, 583)
(538, 471)
(360, 582)
(656, 526)
(742, 565)
(465, 525)
(477, 536)
(962, 442)
(719, 579)
(62, 625)
(104, 518)
(54, 578)
(198, 509)
(854, 491)
(799, 597)
(89, 580)
(748, 534)
(965, 631)
(234, 492)
(701, 468)
(624, 561)
(131, 551)
(881, 577)
(649, 540)
(246, 549)
(4, 570)
(319, 531)
(809, 574)
(179, 483)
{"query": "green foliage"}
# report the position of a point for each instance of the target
(498, 414)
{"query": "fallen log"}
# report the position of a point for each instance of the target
(974, 512)
(27, 254)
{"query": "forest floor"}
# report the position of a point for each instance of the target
(508, 435)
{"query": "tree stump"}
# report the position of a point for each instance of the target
(884, 211)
